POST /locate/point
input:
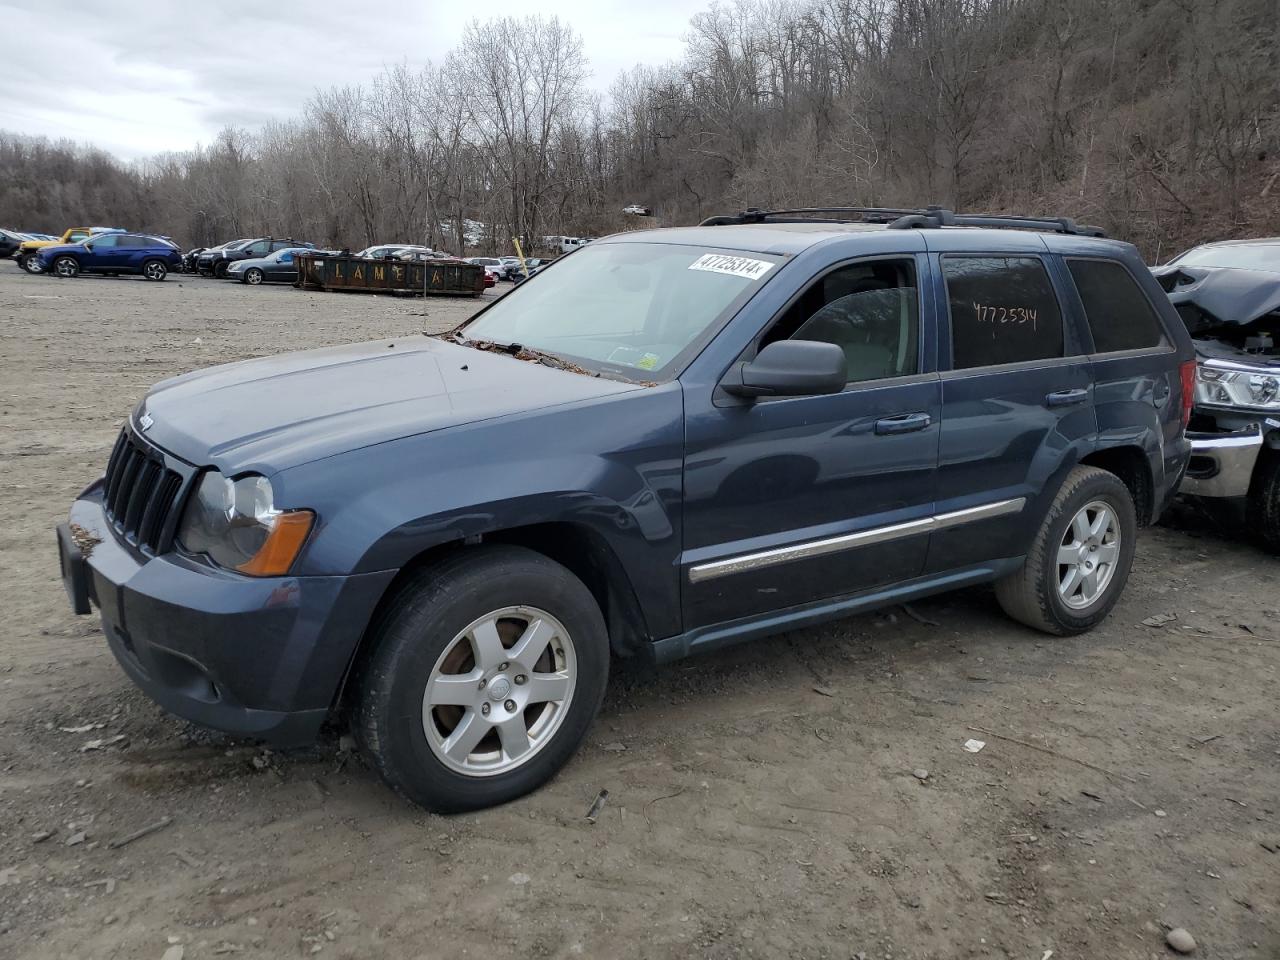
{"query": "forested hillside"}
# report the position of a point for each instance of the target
(1156, 119)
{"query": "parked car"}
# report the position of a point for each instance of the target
(112, 254)
(636, 210)
(216, 262)
(278, 267)
(10, 241)
(383, 250)
(1228, 295)
(26, 255)
(491, 264)
(190, 259)
(678, 440)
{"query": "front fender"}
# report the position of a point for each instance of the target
(612, 467)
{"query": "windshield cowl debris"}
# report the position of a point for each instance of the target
(521, 352)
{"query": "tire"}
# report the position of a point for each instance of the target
(1041, 594)
(30, 264)
(1263, 508)
(220, 269)
(433, 628)
(253, 276)
(67, 268)
(155, 270)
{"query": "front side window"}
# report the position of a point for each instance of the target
(870, 310)
(1003, 310)
(259, 248)
(626, 308)
(105, 243)
(1119, 316)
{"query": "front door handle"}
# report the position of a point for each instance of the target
(907, 423)
(1065, 398)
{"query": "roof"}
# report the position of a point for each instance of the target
(788, 239)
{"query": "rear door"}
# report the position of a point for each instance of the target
(1017, 397)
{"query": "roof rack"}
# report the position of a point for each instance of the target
(930, 217)
(804, 215)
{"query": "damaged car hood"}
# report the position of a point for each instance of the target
(1227, 294)
(272, 413)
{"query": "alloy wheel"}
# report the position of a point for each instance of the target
(1088, 555)
(499, 691)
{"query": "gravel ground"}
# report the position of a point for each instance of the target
(804, 796)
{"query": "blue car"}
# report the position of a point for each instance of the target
(675, 440)
(113, 253)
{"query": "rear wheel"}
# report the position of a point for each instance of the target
(486, 672)
(1264, 502)
(1079, 561)
(253, 276)
(155, 270)
(66, 267)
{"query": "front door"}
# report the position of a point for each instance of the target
(282, 267)
(796, 500)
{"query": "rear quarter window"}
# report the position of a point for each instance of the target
(1003, 310)
(1120, 316)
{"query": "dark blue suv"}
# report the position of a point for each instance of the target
(112, 254)
(666, 442)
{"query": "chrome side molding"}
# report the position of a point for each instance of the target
(850, 541)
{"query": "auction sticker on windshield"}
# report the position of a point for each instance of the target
(734, 266)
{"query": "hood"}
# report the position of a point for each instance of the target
(55, 249)
(276, 412)
(1228, 295)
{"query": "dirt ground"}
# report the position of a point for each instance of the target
(762, 802)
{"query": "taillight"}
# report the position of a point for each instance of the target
(1188, 373)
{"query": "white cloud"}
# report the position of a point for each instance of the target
(138, 81)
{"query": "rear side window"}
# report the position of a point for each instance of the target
(1120, 316)
(1003, 310)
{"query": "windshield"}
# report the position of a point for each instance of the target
(630, 308)
(1262, 256)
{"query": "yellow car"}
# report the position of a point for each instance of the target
(26, 255)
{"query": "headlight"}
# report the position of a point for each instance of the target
(235, 524)
(1237, 385)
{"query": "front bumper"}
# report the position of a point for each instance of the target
(1222, 463)
(256, 657)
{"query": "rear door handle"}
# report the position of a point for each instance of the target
(1065, 398)
(907, 423)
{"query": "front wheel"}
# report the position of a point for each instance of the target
(155, 270)
(1079, 561)
(66, 267)
(220, 270)
(485, 673)
(253, 276)
(30, 264)
(1264, 502)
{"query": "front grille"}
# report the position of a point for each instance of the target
(139, 494)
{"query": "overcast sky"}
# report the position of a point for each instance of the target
(139, 79)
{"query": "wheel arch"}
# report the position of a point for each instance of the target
(575, 546)
(1131, 464)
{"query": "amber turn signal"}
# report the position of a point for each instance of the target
(288, 532)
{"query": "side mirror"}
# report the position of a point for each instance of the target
(790, 368)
